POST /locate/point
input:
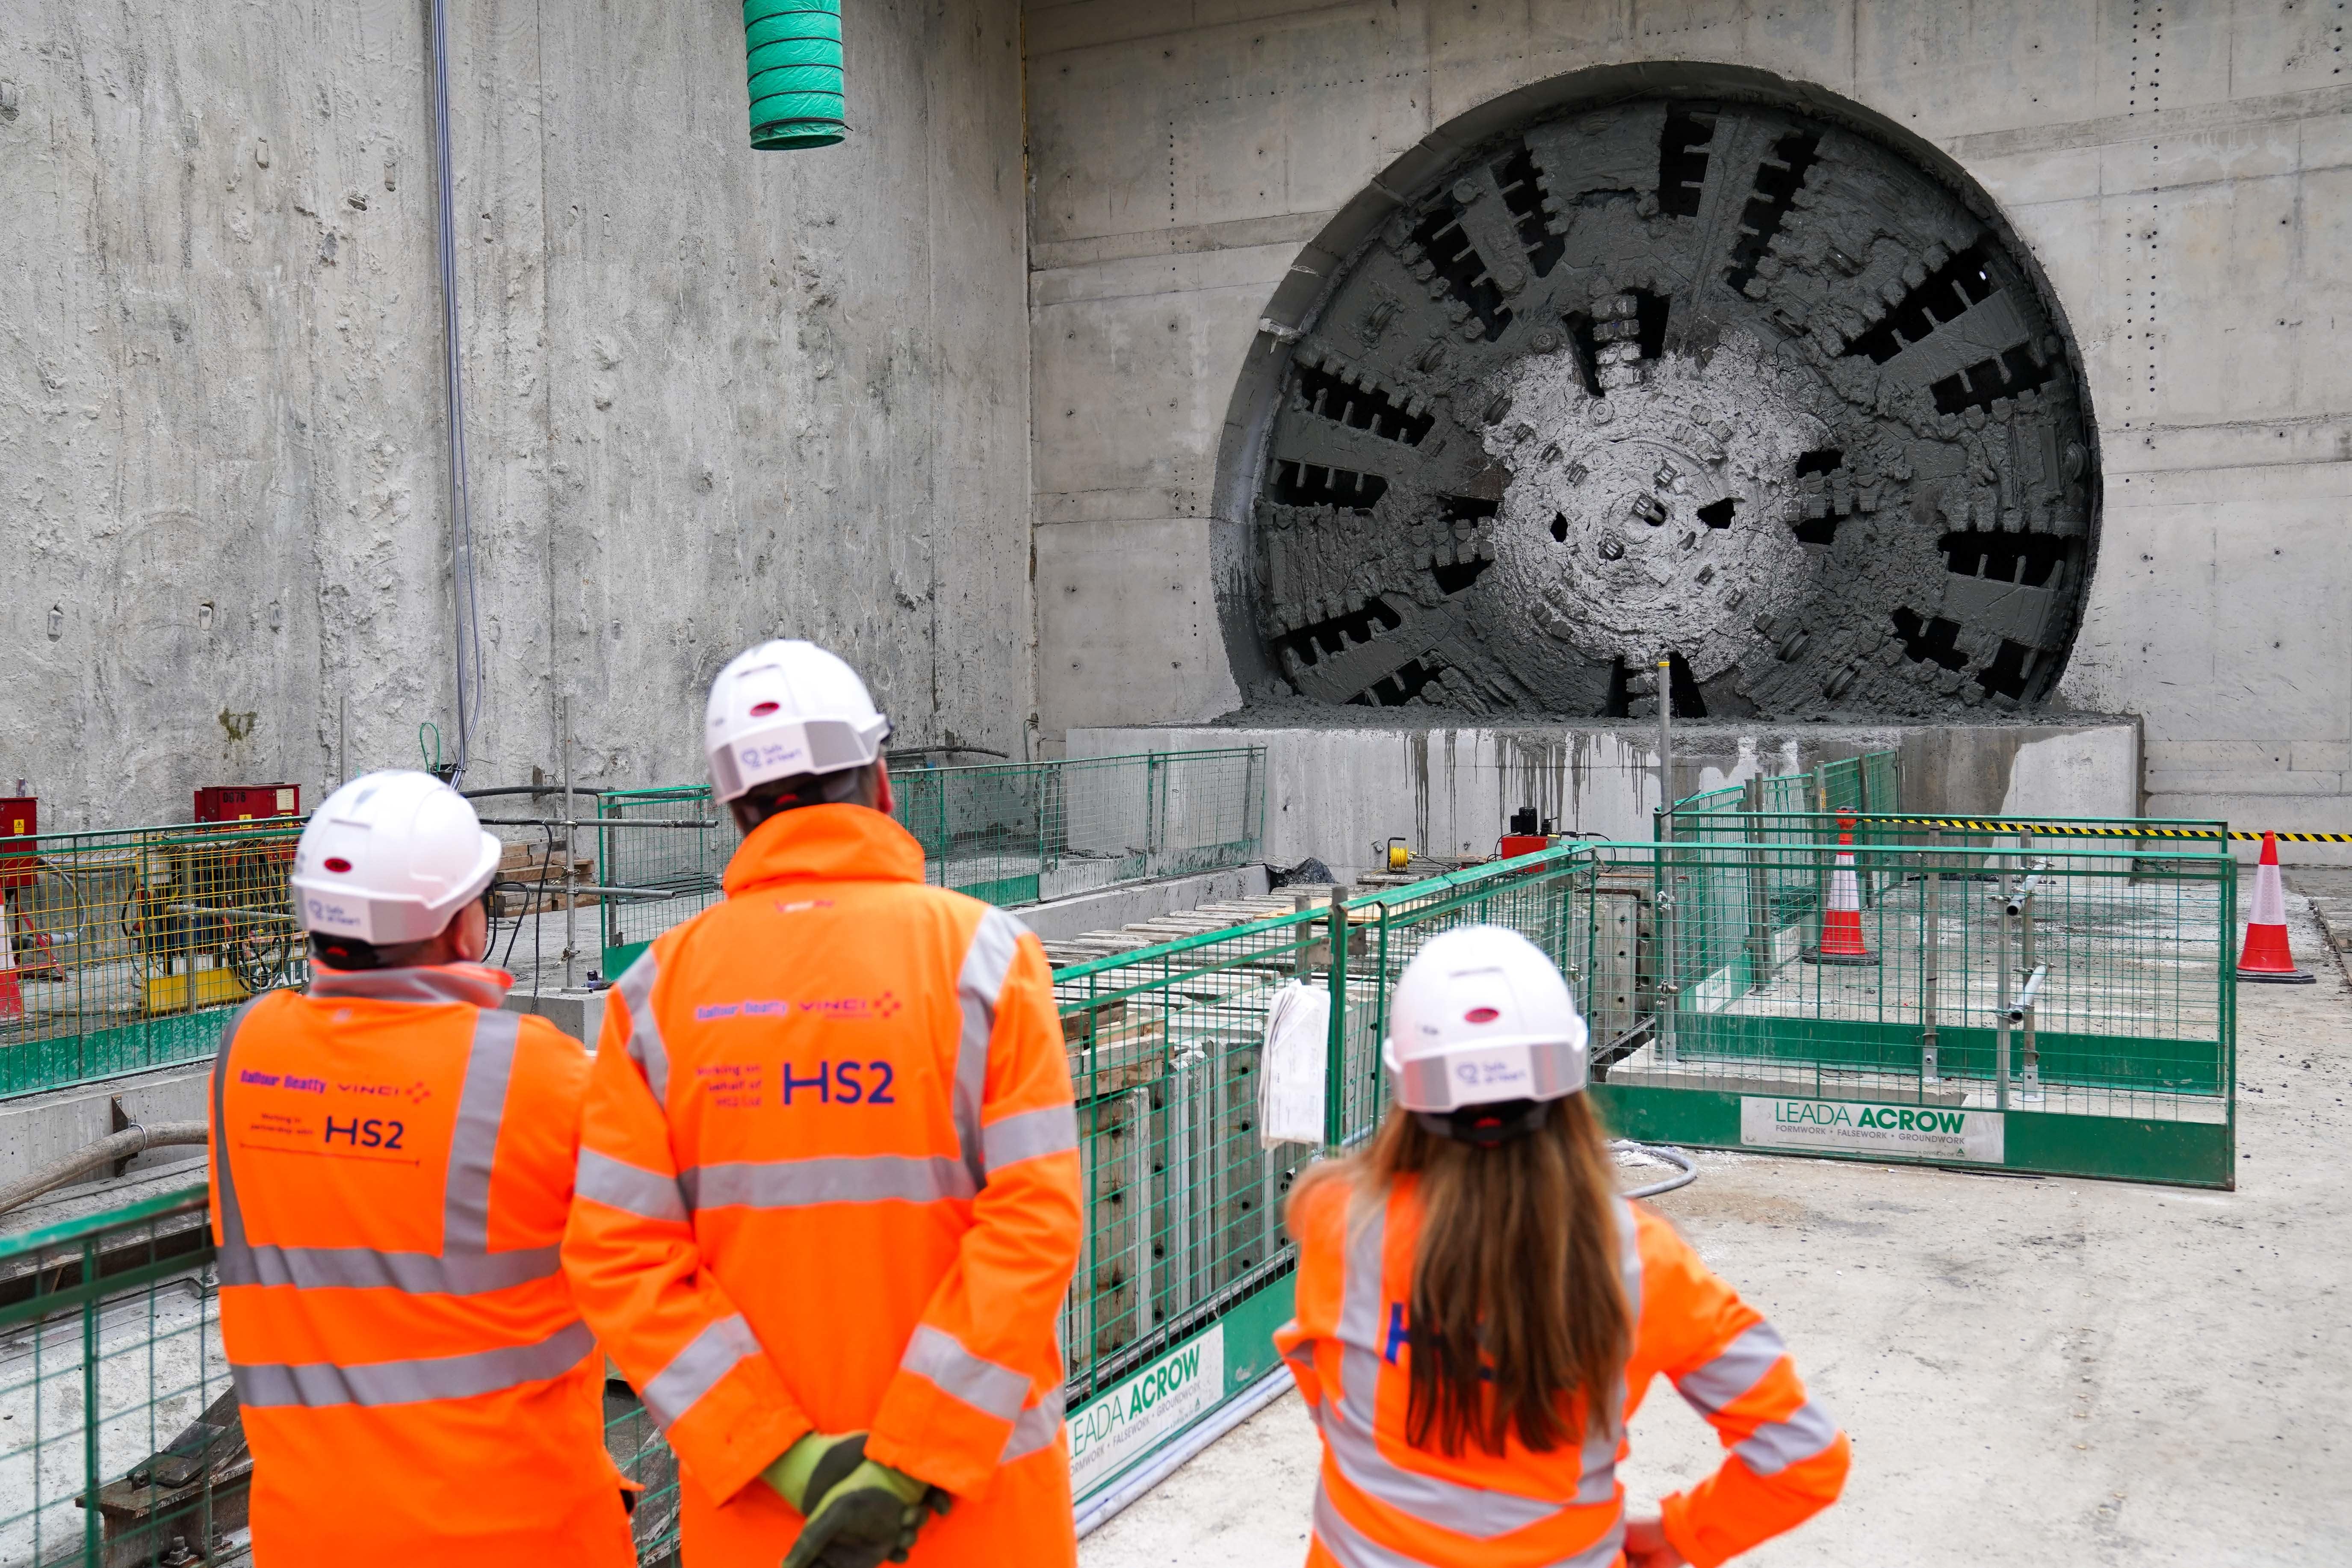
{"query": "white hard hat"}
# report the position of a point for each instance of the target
(787, 708)
(391, 858)
(1481, 1015)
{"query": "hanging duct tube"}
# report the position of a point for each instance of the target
(466, 642)
(793, 50)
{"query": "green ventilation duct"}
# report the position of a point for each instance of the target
(794, 52)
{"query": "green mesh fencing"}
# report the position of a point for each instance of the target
(113, 1385)
(125, 947)
(1010, 833)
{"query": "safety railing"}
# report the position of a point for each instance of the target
(2028, 1008)
(1869, 782)
(122, 947)
(1010, 833)
(2070, 997)
(120, 1441)
(1185, 1271)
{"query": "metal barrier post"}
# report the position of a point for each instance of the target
(1666, 748)
(1152, 785)
(2000, 1002)
(570, 857)
(2026, 966)
(1335, 1067)
(1931, 957)
(1759, 916)
(1662, 965)
(89, 1404)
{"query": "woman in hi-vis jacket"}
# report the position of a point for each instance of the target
(1479, 1313)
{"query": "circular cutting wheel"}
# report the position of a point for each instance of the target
(1713, 383)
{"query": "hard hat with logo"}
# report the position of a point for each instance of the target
(391, 858)
(788, 708)
(1481, 1017)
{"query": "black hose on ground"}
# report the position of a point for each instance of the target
(1686, 1168)
(133, 1139)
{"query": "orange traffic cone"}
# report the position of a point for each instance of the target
(1842, 940)
(2266, 956)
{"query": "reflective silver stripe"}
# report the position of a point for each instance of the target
(465, 1266)
(1739, 1367)
(432, 984)
(635, 989)
(987, 1386)
(1035, 1428)
(1351, 1548)
(365, 1268)
(979, 983)
(1777, 1445)
(695, 1370)
(648, 1195)
(318, 1383)
(232, 1219)
(1479, 1512)
(474, 1139)
(1302, 1367)
(1352, 1432)
(1025, 1135)
(834, 1179)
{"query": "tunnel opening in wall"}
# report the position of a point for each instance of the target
(1685, 363)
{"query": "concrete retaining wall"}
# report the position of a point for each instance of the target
(713, 395)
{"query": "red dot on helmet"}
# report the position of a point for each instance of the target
(337, 863)
(762, 709)
(1480, 1015)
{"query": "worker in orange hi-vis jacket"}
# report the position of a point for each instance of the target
(1479, 1313)
(392, 1166)
(828, 1193)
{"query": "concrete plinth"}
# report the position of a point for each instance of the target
(1340, 791)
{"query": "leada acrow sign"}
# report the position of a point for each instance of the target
(1866, 1127)
(1112, 1430)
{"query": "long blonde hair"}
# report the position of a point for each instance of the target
(1517, 1321)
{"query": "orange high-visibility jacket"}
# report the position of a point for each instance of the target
(392, 1163)
(829, 1182)
(1380, 1502)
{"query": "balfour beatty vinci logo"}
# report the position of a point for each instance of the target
(1798, 1113)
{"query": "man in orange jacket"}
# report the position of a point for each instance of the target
(828, 1193)
(391, 1164)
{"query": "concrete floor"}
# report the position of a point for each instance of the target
(2034, 1371)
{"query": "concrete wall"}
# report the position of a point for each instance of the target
(713, 395)
(2183, 174)
(1339, 792)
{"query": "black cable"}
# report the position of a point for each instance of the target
(506, 963)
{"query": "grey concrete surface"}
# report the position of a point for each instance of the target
(1339, 788)
(1115, 907)
(38, 1130)
(713, 395)
(2032, 1371)
(2180, 177)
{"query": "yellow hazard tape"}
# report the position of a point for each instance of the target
(2078, 830)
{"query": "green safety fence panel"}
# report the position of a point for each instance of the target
(1009, 833)
(128, 946)
(2128, 954)
(1709, 1027)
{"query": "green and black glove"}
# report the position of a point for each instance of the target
(860, 1513)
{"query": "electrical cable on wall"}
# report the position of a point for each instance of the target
(468, 641)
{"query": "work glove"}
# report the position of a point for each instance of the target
(860, 1513)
